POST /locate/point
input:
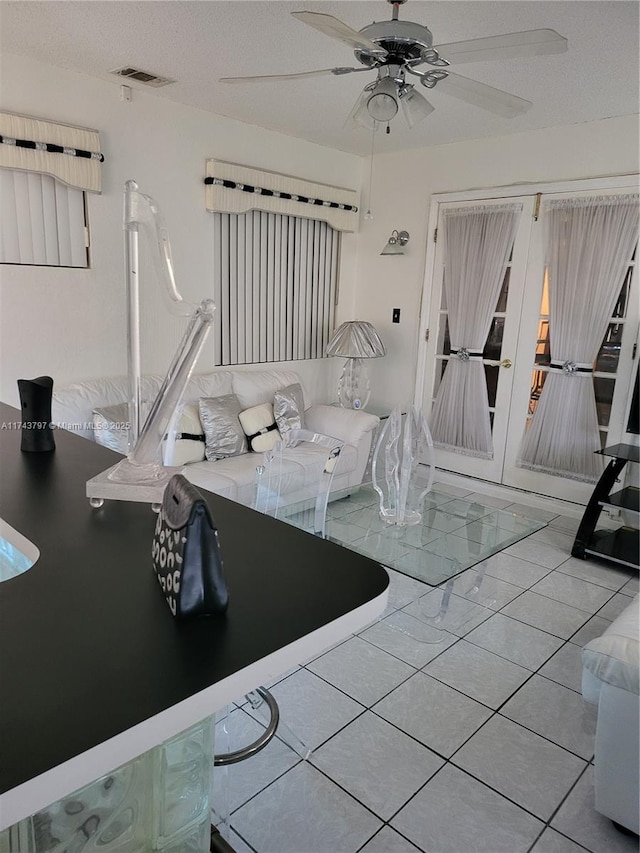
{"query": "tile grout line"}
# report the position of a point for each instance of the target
(494, 712)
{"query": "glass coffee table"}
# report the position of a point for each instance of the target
(454, 534)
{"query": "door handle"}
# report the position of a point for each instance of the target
(506, 362)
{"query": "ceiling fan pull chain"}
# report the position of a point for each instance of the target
(369, 214)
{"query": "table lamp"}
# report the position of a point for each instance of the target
(355, 340)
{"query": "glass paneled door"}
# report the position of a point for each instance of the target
(498, 352)
(612, 369)
(517, 353)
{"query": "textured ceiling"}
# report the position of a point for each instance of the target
(195, 43)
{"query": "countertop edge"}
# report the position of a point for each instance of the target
(39, 792)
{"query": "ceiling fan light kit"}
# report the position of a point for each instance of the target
(382, 104)
(396, 48)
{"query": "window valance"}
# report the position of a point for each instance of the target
(71, 154)
(230, 188)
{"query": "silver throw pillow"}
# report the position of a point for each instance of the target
(111, 427)
(288, 408)
(223, 433)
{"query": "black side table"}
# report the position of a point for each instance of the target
(619, 546)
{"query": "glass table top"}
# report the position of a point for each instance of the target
(454, 534)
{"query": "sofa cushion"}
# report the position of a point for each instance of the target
(213, 384)
(615, 656)
(204, 475)
(72, 407)
(351, 425)
(313, 458)
(243, 471)
(253, 387)
(260, 427)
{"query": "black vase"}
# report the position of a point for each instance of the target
(35, 403)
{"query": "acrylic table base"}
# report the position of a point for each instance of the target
(102, 487)
(157, 802)
(453, 533)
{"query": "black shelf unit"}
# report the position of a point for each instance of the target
(620, 546)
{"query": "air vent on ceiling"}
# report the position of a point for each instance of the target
(142, 76)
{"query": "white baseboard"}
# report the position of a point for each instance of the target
(473, 484)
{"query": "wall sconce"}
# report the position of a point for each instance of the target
(355, 341)
(396, 244)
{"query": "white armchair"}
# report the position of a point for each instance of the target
(610, 680)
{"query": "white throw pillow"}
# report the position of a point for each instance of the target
(189, 444)
(260, 427)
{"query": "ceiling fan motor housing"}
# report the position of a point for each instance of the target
(403, 41)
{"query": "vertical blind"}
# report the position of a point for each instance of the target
(275, 279)
(42, 221)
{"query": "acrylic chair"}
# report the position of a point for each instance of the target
(298, 496)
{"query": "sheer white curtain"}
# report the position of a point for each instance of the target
(477, 245)
(588, 245)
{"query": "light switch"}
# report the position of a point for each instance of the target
(395, 317)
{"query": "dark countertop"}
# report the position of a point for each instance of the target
(93, 665)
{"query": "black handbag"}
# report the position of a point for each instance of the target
(186, 552)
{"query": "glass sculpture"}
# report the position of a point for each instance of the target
(141, 476)
(403, 443)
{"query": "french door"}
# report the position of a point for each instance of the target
(516, 354)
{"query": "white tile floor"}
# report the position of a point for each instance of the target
(465, 734)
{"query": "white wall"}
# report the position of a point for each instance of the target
(71, 324)
(402, 188)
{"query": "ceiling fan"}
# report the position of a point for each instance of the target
(396, 49)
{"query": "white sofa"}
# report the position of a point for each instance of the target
(73, 406)
(610, 680)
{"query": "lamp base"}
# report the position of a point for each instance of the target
(353, 386)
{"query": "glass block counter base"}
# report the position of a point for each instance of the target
(160, 801)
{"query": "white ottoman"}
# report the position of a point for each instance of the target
(611, 680)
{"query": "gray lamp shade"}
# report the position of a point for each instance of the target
(356, 339)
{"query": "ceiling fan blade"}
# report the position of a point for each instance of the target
(335, 28)
(484, 96)
(359, 115)
(507, 46)
(275, 77)
(415, 107)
